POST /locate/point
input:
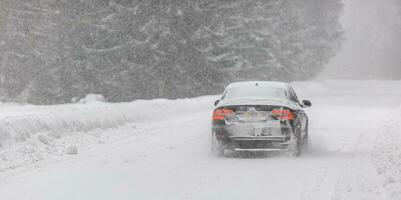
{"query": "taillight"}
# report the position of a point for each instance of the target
(283, 114)
(221, 114)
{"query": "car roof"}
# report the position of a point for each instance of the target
(273, 84)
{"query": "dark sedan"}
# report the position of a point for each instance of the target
(259, 117)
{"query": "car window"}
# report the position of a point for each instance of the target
(293, 97)
(255, 92)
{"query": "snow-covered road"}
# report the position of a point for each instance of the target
(170, 159)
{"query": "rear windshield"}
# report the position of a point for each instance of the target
(255, 92)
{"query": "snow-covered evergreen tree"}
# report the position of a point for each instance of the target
(53, 51)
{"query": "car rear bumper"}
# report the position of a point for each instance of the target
(257, 144)
(254, 137)
(258, 150)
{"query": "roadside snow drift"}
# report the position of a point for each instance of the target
(387, 154)
(32, 133)
(19, 123)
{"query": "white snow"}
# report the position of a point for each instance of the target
(159, 149)
(72, 149)
(387, 154)
(32, 133)
(89, 98)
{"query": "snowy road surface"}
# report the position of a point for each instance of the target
(170, 159)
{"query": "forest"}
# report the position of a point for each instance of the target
(57, 51)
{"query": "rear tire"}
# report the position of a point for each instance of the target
(296, 146)
(216, 148)
(307, 131)
(305, 140)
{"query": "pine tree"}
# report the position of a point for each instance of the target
(55, 51)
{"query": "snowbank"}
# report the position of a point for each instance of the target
(387, 155)
(20, 123)
(90, 98)
(29, 134)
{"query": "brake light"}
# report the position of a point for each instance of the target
(283, 114)
(221, 114)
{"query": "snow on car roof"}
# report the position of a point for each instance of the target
(258, 83)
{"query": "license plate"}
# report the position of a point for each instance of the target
(252, 116)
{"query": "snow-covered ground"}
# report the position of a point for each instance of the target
(32, 133)
(159, 149)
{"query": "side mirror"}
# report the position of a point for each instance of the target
(216, 102)
(306, 103)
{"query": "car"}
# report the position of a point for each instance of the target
(259, 116)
